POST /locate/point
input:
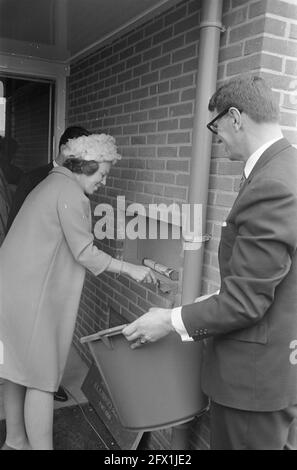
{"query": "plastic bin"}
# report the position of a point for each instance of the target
(153, 387)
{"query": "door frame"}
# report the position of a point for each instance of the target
(35, 68)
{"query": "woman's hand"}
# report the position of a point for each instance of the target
(139, 273)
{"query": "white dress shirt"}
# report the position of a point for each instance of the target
(176, 318)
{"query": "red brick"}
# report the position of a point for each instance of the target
(135, 37)
(169, 124)
(183, 180)
(138, 140)
(188, 95)
(135, 60)
(158, 113)
(293, 32)
(186, 24)
(291, 67)
(283, 9)
(239, 3)
(182, 82)
(140, 116)
(140, 93)
(225, 199)
(132, 84)
(193, 35)
(142, 45)
(275, 27)
(147, 127)
(221, 183)
(149, 103)
(155, 164)
(272, 62)
(175, 15)
(230, 52)
(184, 53)
(150, 78)
(154, 189)
(163, 35)
(277, 81)
(171, 71)
(154, 27)
(167, 152)
(176, 193)
(168, 98)
(247, 64)
(247, 30)
(173, 44)
(152, 53)
(278, 46)
(141, 69)
(253, 45)
(127, 53)
(159, 88)
(186, 123)
(190, 65)
(160, 62)
(146, 151)
(143, 175)
(235, 17)
(181, 109)
(156, 139)
(177, 165)
(178, 137)
(167, 178)
(258, 8)
(185, 152)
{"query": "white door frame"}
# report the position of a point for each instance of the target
(57, 72)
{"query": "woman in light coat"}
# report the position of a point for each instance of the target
(42, 268)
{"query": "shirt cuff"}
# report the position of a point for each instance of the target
(178, 324)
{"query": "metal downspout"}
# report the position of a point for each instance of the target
(209, 43)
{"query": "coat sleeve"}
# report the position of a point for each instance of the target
(75, 219)
(261, 258)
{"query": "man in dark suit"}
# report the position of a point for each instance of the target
(27, 184)
(250, 361)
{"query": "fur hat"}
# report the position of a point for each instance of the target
(98, 147)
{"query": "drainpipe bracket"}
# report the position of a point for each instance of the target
(190, 238)
(213, 24)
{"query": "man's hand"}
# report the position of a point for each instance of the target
(150, 327)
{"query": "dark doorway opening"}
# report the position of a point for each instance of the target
(26, 125)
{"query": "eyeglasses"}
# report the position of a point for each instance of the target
(212, 126)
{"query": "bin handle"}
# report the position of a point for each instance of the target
(103, 334)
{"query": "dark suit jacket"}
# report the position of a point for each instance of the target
(27, 183)
(253, 321)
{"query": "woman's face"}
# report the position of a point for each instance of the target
(92, 183)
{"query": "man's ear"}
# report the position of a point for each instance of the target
(236, 118)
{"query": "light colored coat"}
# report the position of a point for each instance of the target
(42, 268)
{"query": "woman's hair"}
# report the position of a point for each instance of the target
(251, 95)
(78, 165)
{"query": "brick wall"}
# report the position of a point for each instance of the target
(141, 89)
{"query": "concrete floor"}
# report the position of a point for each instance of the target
(74, 375)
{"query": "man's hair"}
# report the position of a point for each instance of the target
(72, 132)
(249, 94)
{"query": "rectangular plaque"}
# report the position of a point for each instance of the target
(95, 390)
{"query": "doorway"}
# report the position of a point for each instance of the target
(26, 124)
